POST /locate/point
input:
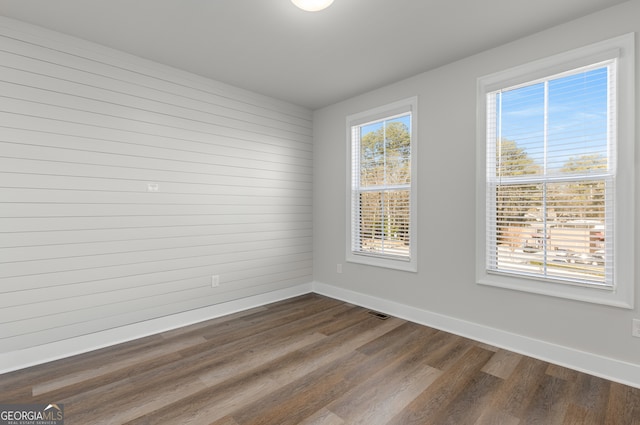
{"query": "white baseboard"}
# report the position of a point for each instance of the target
(56, 350)
(593, 364)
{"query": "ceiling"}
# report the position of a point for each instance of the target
(310, 59)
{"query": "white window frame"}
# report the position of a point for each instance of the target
(409, 105)
(621, 294)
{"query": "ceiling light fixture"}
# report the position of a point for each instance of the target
(312, 5)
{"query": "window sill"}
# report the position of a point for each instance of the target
(387, 263)
(591, 294)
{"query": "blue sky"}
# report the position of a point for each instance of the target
(405, 119)
(577, 117)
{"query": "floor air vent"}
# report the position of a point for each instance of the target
(379, 315)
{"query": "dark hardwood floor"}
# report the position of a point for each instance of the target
(315, 360)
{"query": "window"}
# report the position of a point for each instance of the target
(381, 219)
(556, 178)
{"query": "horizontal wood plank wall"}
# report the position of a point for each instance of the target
(86, 133)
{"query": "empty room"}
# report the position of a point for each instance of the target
(242, 212)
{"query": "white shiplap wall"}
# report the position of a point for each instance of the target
(84, 246)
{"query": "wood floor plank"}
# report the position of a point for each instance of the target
(494, 417)
(562, 372)
(133, 404)
(517, 391)
(471, 402)
(265, 321)
(623, 406)
(428, 406)
(114, 366)
(592, 394)
(549, 403)
(396, 336)
(451, 352)
(196, 328)
(397, 373)
(118, 375)
(300, 399)
(210, 404)
(345, 342)
(406, 347)
(207, 357)
(444, 347)
(227, 420)
(215, 365)
(578, 415)
(150, 389)
(33, 375)
(314, 360)
(323, 417)
(502, 364)
(344, 320)
(378, 400)
(296, 366)
(248, 360)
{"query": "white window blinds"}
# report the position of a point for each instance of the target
(381, 187)
(551, 173)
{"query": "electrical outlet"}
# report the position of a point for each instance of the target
(339, 268)
(636, 328)
(215, 281)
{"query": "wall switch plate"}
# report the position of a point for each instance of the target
(636, 328)
(215, 281)
(339, 268)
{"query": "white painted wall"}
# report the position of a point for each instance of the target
(84, 246)
(445, 283)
